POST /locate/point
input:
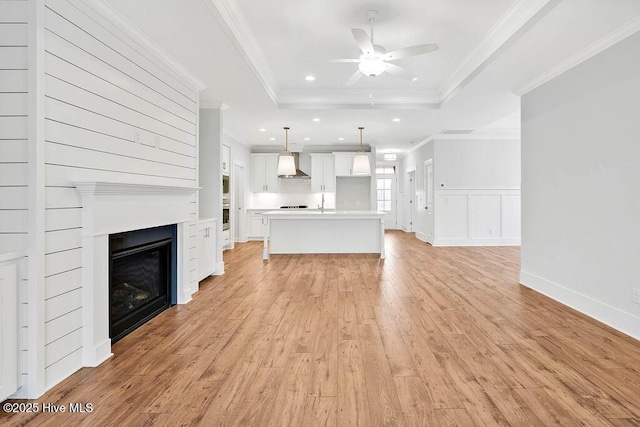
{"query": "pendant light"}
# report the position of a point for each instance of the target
(361, 165)
(286, 162)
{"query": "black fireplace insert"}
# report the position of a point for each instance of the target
(142, 277)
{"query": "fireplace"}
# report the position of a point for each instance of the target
(142, 277)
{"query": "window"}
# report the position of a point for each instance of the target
(385, 170)
(383, 194)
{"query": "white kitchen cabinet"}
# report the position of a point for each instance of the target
(226, 159)
(264, 172)
(206, 248)
(256, 228)
(323, 175)
(8, 327)
(344, 164)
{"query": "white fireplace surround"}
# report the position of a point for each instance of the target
(109, 208)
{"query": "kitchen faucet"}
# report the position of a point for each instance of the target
(322, 206)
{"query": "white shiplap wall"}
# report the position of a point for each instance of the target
(13, 143)
(13, 125)
(112, 113)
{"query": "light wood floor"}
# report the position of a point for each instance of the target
(429, 336)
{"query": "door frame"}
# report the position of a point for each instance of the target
(411, 196)
(429, 202)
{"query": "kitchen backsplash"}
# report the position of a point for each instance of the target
(291, 192)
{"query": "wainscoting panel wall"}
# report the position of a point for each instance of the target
(477, 217)
(112, 113)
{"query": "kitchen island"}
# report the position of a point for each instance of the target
(317, 232)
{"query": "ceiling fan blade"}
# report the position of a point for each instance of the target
(363, 40)
(410, 51)
(354, 78)
(401, 72)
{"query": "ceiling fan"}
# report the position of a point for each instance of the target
(375, 59)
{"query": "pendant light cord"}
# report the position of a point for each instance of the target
(286, 139)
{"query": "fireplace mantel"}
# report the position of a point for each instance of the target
(109, 208)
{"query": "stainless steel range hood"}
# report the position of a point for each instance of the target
(299, 174)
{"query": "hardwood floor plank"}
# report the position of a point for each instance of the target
(320, 411)
(353, 406)
(381, 389)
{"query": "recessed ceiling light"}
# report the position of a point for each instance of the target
(307, 139)
(396, 119)
(309, 78)
(315, 119)
(340, 139)
(272, 139)
(414, 79)
(262, 130)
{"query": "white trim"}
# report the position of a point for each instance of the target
(36, 385)
(228, 13)
(606, 42)
(351, 105)
(472, 136)
(521, 12)
(116, 19)
(421, 236)
(622, 321)
(475, 242)
(107, 188)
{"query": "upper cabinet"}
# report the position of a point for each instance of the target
(344, 164)
(226, 159)
(264, 172)
(323, 175)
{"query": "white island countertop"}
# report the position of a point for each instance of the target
(317, 214)
(317, 232)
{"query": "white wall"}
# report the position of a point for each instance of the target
(476, 192)
(581, 187)
(210, 172)
(240, 155)
(111, 114)
(13, 125)
(14, 92)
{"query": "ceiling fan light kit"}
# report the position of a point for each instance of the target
(361, 164)
(286, 162)
(375, 60)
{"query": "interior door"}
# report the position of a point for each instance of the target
(428, 185)
(239, 221)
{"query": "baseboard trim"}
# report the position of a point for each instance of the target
(622, 321)
(421, 236)
(476, 242)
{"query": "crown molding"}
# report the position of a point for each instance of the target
(521, 12)
(365, 105)
(479, 137)
(604, 43)
(235, 25)
(116, 19)
(302, 99)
